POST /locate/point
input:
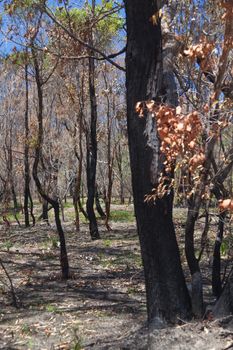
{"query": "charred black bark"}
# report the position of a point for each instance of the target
(10, 171)
(38, 149)
(45, 211)
(224, 305)
(220, 193)
(81, 208)
(167, 295)
(26, 154)
(98, 205)
(194, 205)
(31, 209)
(119, 161)
(193, 263)
(92, 154)
(63, 253)
(216, 266)
(76, 212)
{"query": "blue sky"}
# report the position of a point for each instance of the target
(6, 45)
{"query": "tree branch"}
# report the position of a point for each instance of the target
(80, 41)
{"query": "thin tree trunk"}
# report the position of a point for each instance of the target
(76, 209)
(82, 210)
(110, 159)
(121, 175)
(98, 205)
(62, 210)
(216, 266)
(31, 209)
(45, 210)
(77, 181)
(193, 212)
(220, 193)
(14, 196)
(193, 263)
(63, 253)
(11, 178)
(54, 202)
(92, 151)
(204, 236)
(26, 154)
(10, 171)
(224, 305)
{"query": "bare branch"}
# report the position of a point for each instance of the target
(80, 41)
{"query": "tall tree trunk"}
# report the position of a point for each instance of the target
(31, 209)
(38, 149)
(216, 266)
(26, 154)
(167, 295)
(193, 263)
(75, 204)
(78, 178)
(92, 150)
(193, 212)
(10, 172)
(220, 193)
(110, 159)
(121, 175)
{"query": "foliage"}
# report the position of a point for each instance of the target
(83, 21)
(184, 136)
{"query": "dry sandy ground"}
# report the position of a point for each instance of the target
(101, 307)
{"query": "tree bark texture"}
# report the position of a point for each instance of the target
(26, 154)
(192, 216)
(98, 205)
(220, 192)
(216, 266)
(92, 154)
(167, 295)
(38, 149)
(224, 305)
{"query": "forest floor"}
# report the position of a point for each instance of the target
(102, 305)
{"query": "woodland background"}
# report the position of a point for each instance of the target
(114, 111)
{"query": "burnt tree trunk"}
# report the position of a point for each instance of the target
(81, 208)
(110, 158)
(194, 205)
(78, 177)
(10, 171)
(220, 193)
(26, 155)
(224, 305)
(193, 263)
(98, 205)
(75, 204)
(45, 211)
(31, 209)
(92, 150)
(76, 188)
(167, 295)
(216, 266)
(38, 149)
(119, 164)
